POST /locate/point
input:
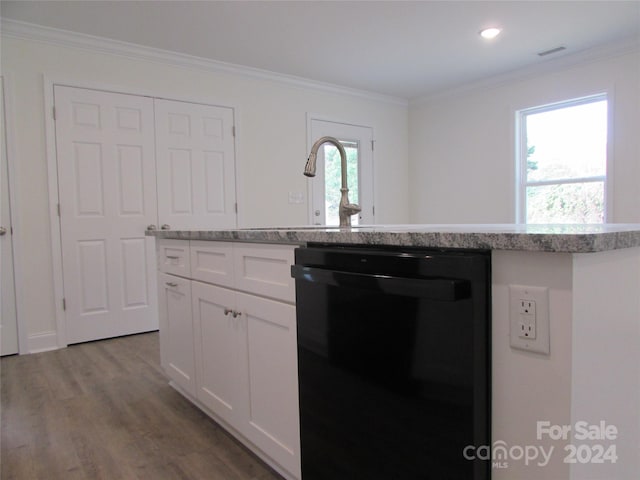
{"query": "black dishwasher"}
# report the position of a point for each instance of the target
(393, 362)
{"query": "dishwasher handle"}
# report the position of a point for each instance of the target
(442, 289)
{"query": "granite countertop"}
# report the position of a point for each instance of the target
(541, 238)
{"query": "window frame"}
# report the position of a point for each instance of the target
(522, 149)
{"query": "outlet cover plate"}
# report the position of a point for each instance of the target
(539, 295)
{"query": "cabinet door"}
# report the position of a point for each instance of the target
(221, 366)
(272, 422)
(176, 330)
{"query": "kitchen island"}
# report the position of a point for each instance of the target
(532, 238)
(555, 414)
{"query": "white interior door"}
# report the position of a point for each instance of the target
(325, 186)
(8, 317)
(107, 192)
(196, 165)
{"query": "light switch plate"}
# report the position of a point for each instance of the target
(529, 312)
(296, 197)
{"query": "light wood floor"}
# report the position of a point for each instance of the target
(104, 410)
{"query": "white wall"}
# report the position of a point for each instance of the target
(529, 387)
(272, 145)
(461, 144)
(606, 356)
(592, 373)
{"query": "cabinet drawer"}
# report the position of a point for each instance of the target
(265, 270)
(212, 262)
(173, 257)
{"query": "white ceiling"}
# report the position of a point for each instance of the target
(398, 48)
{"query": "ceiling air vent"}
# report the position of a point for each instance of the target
(549, 52)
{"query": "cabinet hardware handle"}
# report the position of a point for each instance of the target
(3, 231)
(151, 227)
(165, 227)
(173, 257)
(236, 314)
(172, 284)
(227, 311)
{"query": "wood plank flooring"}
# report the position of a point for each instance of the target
(104, 410)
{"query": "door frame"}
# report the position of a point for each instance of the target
(13, 179)
(58, 339)
(325, 118)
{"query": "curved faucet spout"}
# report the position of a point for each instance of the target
(345, 209)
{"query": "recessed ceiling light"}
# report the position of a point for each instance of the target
(490, 33)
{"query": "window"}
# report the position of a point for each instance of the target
(325, 187)
(333, 179)
(563, 162)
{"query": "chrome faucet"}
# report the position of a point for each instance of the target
(346, 209)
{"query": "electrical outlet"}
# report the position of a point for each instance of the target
(527, 326)
(527, 307)
(529, 318)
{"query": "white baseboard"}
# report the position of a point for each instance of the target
(43, 342)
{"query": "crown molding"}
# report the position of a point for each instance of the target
(623, 47)
(29, 31)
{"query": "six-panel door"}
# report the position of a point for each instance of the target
(196, 165)
(125, 163)
(8, 312)
(107, 188)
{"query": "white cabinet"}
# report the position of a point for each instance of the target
(212, 262)
(173, 257)
(174, 309)
(272, 422)
(221, 352)
(264, 270)
(243, 342)
(176, 330)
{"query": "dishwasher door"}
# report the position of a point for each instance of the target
(393, 363)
